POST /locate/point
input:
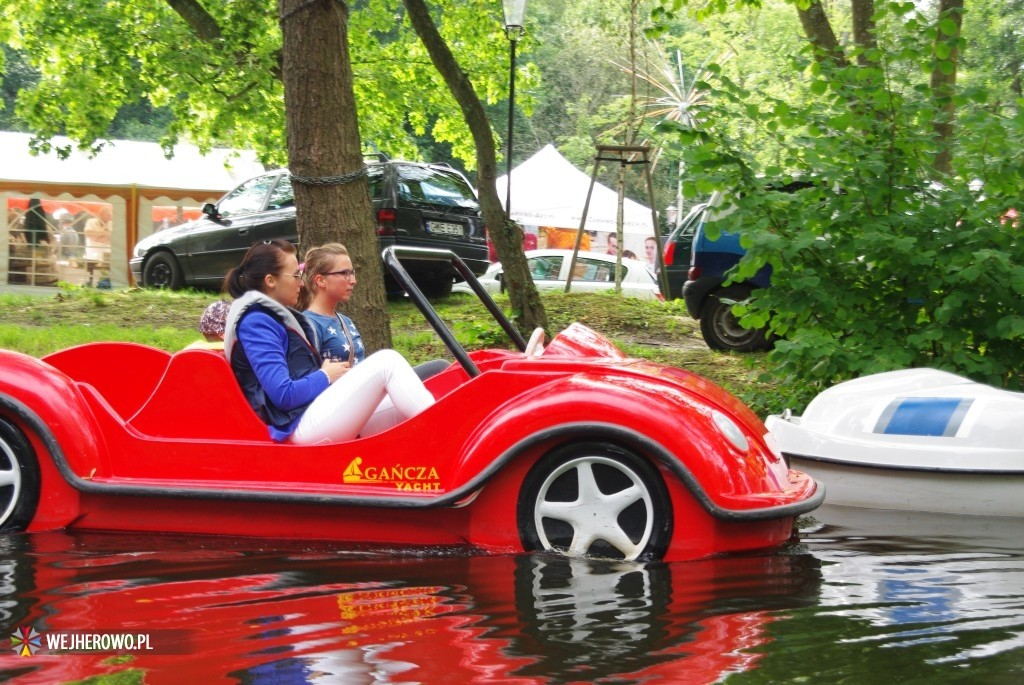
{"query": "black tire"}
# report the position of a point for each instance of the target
(162, 270)
(722, 330)
(553, 508)
(19, 479)
(436, 285)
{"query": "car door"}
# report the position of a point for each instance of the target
(277, 221)
(678, 249)
(593, 274)
(546, 271)
(217, 244)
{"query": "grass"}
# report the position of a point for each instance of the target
(661, 332)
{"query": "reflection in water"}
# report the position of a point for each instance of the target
(918, 600)
(330, 616)
(926, 597)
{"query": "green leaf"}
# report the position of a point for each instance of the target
(948, 26)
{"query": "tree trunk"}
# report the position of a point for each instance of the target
(325, 157)
(507, 235)
(819, 31)
(943, 84)
(864, 29)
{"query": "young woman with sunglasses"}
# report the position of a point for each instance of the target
(274, 352)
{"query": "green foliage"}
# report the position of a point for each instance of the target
(221, 88)
(877, 265)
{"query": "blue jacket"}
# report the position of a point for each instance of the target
(273, 352)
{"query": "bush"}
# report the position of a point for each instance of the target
(880, 263)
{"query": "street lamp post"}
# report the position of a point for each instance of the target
(671, 214)
(514, 10)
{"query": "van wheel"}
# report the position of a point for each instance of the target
(722, 330)
(19, 479)
(598, 500)
(162, 271)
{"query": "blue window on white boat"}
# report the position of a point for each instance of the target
(931, 416)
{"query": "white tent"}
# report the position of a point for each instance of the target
(547, 190)
(134, 180)
(127, 163)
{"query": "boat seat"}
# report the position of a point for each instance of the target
(199, 398)
(123, 373)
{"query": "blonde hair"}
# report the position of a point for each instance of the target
(318, 261)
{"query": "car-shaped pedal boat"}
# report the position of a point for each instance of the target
(915, 440)
(571, 447)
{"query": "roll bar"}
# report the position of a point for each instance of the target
(391, 256)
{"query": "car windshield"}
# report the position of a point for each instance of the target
(430, 186)
(248, 197)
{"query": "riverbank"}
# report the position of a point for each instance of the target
(40, 324)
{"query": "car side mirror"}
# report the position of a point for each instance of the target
(210, 210)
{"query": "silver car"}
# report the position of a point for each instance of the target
(594, 271)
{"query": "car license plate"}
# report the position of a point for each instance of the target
(444, 228)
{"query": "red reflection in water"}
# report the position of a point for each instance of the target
(289, 615)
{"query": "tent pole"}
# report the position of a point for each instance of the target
(583, 222)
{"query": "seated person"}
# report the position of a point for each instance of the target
(274, 354)
(211, 326)
(329, 280)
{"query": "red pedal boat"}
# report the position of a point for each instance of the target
(573, 448)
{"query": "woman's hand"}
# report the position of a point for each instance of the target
(335, 369)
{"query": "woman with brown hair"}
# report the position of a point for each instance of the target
(274, 353)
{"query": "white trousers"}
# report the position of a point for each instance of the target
(379, 392)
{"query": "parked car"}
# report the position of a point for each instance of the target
(677, 249)
(416, 205)
(570, 447)
(707, 297)
(594, 271)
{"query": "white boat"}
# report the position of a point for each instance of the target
(914, 440)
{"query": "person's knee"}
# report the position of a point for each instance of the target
(388, 357)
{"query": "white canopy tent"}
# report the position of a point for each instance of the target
(134, 180)
(547, 190)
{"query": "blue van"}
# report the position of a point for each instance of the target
(707, 297)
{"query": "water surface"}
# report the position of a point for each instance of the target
(861, 597)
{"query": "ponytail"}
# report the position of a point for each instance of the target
(263, 258)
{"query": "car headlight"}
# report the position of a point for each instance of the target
(730, 430)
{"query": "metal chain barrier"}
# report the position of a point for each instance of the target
(331, 180)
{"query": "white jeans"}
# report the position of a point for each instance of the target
(376, 394)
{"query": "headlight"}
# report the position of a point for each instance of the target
(730, 430)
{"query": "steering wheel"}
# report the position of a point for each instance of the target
(535, 346)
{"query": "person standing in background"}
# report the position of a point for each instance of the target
(98, 232)
(651, 252)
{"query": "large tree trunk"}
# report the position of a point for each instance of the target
(325, 158)
(819, 31)
(506, 235)
(943, 84)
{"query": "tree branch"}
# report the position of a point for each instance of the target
(198, 19)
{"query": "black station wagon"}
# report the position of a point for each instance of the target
(416, 205)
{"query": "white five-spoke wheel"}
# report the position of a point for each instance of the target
(19, 479)
(595, 500)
